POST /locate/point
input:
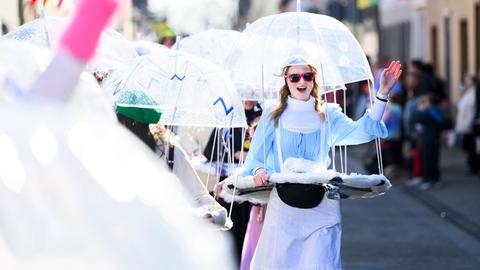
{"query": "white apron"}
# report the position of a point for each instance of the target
(295, 238)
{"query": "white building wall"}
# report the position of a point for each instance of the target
(9, 13)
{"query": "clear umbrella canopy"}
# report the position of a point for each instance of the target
(262, 48)
(21, 64)
(188, 90)
(90, 195)
(146, 47)
(213, 44)
(113, 49)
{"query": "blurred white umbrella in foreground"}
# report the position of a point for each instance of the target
(21, 64)
(113, 49)
(89, 195)
(144, 47)
(23, 61)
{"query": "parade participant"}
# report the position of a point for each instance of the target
(161, 142)
(429, 122)
(302, 226)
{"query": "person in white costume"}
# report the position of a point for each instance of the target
(307, 234)
(160, 141)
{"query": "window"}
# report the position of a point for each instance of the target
(434, 48)
(463, 49)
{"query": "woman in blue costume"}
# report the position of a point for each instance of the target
(306, 236)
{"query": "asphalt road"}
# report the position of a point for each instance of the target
(395, 231)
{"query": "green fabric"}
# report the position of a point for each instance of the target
(142, 115)
(129, 103)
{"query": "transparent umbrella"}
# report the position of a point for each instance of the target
(113, 49)
(90, 195)
(262, 48)
(146, 47)
(256, 60)
(188, 90)
(20, 65)
(212, 44)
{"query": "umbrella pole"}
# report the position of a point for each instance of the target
(263, 100)
(217, 166)
(378, 147)
(244, 132)
(231, 164)
(332, 146)
(176, 100)
(340, 147)
(232, 146)
(345, 146)
(43, 17)
(211, 155)
(236, 177)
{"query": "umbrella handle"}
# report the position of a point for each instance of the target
(82, 35)
(77, 46)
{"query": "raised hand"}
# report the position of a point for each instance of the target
(390, 76)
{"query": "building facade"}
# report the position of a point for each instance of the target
(444, 33)
(453, 40)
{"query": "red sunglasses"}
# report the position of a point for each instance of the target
(295, 77)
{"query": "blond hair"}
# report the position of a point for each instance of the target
(163, 137)
(285, 92)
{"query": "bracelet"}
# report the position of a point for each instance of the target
(382, 99)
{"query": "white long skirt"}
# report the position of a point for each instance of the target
(294, 238)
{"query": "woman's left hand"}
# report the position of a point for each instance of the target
(390, 77)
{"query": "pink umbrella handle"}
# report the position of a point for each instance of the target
(82, 35)
(77, 46)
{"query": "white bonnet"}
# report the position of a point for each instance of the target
(297, 57)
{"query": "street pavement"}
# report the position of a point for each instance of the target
(411, 229)
(458, 197)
